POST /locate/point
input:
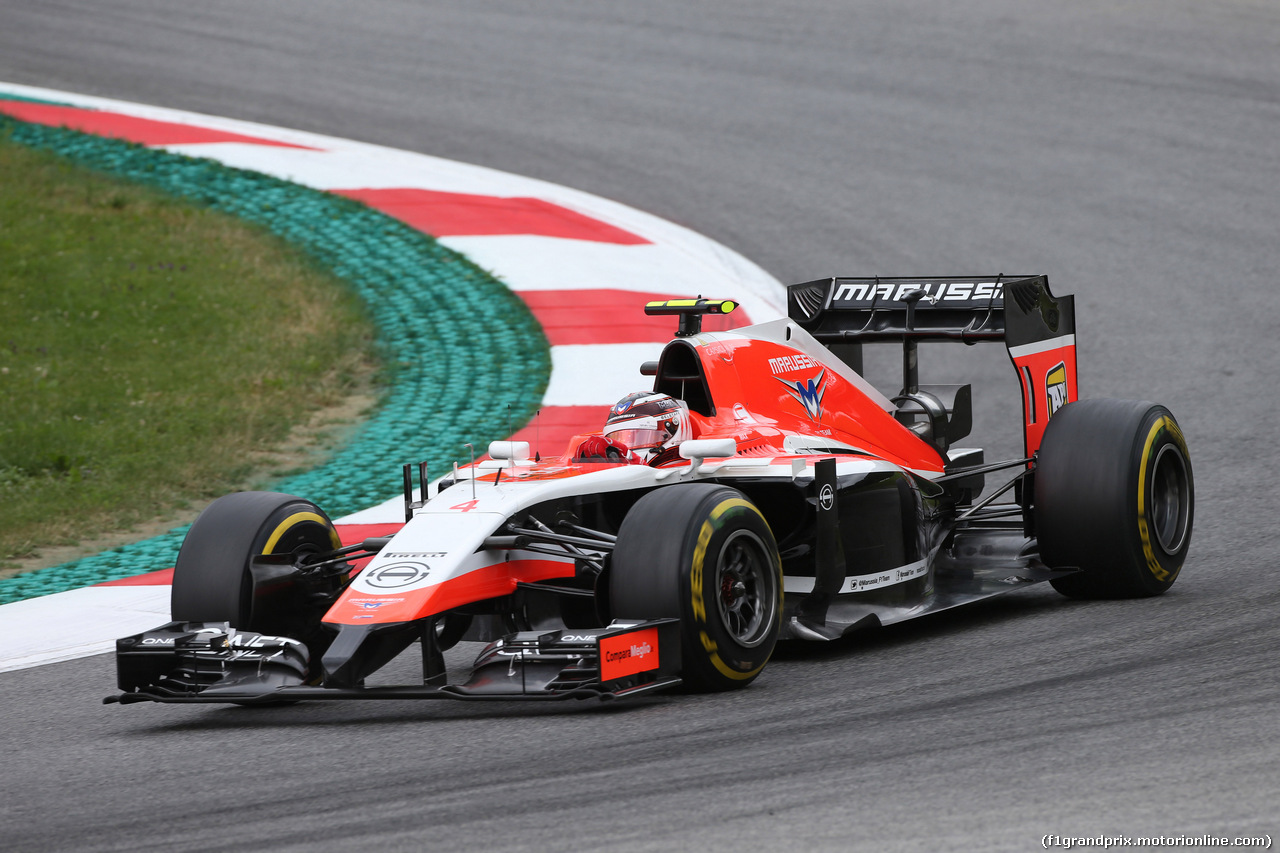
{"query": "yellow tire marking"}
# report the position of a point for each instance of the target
(1153, 564)
(298, 518)
(695, 583)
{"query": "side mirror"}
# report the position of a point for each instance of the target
(512, 450)
(707, 448)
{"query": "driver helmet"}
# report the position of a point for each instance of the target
(648, 421)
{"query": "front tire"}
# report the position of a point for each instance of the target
(705, 555)
(1114, 496)
(212, 582)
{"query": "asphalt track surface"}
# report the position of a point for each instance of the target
(1126, 149)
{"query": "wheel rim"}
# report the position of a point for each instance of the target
(745, 592)
(1170, 499)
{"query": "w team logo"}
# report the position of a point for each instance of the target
(1055, 385)
(809, 393)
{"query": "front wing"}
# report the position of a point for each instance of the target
(212, 662)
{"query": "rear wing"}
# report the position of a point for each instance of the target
(1037, 328)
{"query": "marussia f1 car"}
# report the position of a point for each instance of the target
(784, 498)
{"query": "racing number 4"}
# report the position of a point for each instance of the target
(466, 506)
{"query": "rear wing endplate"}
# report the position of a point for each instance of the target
(1037, 328)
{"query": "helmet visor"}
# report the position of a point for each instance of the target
(639, 438)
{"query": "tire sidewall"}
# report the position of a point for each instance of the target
(719, 657)
(1159, 432)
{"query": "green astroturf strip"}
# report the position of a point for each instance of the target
(469, 359)
(5, 96)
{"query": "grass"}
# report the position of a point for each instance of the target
(151, 351)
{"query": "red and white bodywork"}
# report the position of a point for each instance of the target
(792, 404)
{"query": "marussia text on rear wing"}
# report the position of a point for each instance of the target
(1037, 328)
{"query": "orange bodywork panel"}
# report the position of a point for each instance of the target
(765, 391)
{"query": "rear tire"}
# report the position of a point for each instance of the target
(705, 555)
(1114, 496)
(211, 581)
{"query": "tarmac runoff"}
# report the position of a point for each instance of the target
(582, 265)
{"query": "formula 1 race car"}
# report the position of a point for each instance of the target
(763, 490)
